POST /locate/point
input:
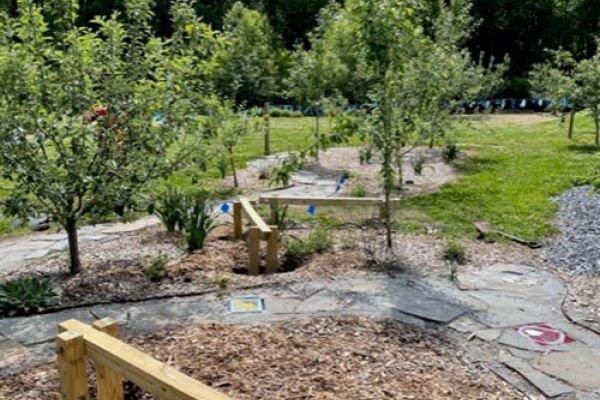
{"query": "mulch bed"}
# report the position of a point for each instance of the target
(330, 358)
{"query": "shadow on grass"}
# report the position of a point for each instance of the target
(476, 164)
(583, 148)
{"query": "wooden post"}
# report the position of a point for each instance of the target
(272, 249)
(237, 219)
(110, 383)
(254, 250)
(267, 119)
(71, 366)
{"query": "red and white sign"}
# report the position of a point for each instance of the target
(544, 334)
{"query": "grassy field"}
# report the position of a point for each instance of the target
(509, 177)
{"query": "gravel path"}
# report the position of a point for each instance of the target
(577, 248)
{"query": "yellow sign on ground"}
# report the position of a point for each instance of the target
(246, 305)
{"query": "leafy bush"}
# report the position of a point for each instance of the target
(222, 165)
(27, 295)
(450, 152)
(170, 208)
(359, 190)
(318, 241)
(199, 221)
(156, 269)
(455, 252)
(417, 163)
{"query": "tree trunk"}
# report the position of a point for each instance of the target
(317, 136)
(75, 262)
(597, 125)
(267, 119)
(400, 172)
(571, 122)
(236, 183)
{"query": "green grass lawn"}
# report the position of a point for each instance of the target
(508, 179)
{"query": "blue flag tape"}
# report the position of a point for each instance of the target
(312, 209)
(225, 208)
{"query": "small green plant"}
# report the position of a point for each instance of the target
(454, 252)
(222, 286)
(417, 163)
(279, 218)
(199, 221)
(366, 155)
(156, 269)
(452, 270)
(450, 151)
(282, 174)
(318, 241)
(170, 208)
(359, 190)
(222, 165)
(27, 295)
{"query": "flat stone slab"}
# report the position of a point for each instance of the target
(465, 324)
(579, 368)
(10, 352)
(548, 386)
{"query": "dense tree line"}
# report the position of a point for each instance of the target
(521, 29)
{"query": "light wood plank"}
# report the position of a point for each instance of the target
(71, 366)
(151, 375)
(109, 383)
(254, 236)
(272, 249)
(253, 216)
(275, 201)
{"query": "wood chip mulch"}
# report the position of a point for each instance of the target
(330, 358)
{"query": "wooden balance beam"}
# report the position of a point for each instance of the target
(275, 201)
(116, 360)
(259, 230)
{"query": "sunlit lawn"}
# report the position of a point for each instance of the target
(508, 178)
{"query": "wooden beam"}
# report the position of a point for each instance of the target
(272, 250)
(151, 375)
(326, 201)
(254, 236)
(237, 219)
(71, 366)
(253, 216)
(110, 383)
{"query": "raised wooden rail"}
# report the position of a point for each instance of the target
(258, 231)
(275, 201)
(114, 361)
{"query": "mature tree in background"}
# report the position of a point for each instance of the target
(77, 136)
(250, 63)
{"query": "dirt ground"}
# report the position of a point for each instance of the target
(352, 358)
(515, 119)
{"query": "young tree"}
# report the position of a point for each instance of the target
(587, 78)
(77, 136)
(416, 75)
(555, 81)
(228, 127)
(250, 62)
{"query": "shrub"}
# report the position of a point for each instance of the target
(450, 152)
(417, 163)
(455, 252)
(199, 221)
(318, 241)
(156, 269)
(27, 295)
(222, 165)
(170, 208)
(359, 191)
(366, 156)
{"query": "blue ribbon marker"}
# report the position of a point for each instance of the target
(312, 209)
(225, 208)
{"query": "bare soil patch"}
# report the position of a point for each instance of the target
(515, 119)
(330, 358)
